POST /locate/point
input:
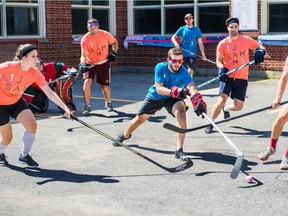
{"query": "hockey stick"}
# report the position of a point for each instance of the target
(179, 168)
(60, 78)
(73, 73)
(229, 72)
(186, 130)
(199, 56)
(237, 166)
(44, 115)
(98, 63)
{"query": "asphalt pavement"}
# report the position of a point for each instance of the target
(82, 173)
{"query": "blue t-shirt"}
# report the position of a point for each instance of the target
(189, 39)
(169, 79)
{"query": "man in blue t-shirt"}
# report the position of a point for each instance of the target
(190, 37)
(172, 85)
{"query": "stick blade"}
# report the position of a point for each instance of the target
(181, 167)
(174, 128)
(237, 166)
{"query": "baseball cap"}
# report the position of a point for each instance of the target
(188, 15)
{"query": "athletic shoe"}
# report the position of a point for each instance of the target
(86, 110)
(28, 160)
(226, 114)
(109, 107)
(3, 161)
(284, 163)
(266, 154)
(209, 129)
(121, 138)
(179, 154)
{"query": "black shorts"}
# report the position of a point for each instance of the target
(150, 106)
(235, 88)
(189, 62)
(12, 110)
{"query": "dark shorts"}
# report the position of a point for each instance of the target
(102, 73)
(12, 110)
(235, 88)
(150, 106)
(189, 62)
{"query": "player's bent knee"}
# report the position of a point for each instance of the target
(7, 140)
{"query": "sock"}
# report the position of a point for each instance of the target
(226, 108)
(273, 143)
(2, 148)
(28, 140)
(286, 153)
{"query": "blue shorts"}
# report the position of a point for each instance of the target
(235, 88)
(189, 62)
(12, 110)
(150, 106)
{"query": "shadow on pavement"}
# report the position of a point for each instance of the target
(260, 134)
(206, 156)
(61, 175)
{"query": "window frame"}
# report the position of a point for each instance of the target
(41, 19)
(131, 8)
(265, 16)
(111, 13)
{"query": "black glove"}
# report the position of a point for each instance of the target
(112, 56)
(259, 56)
(83, 67)
(180, 93)
(222, 74)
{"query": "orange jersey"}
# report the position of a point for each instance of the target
(13, 81)
(236, 53)
(97, 47)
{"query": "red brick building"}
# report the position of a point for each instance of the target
(52, 25)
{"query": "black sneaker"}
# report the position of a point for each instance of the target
(121, 138)
(86, 110)
(226, 114)
(109, 107)
(3, 161)
(209, 129)
(179, 154)
(28, 160)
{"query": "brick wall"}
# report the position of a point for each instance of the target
(58, 44)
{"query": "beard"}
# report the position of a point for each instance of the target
(174, 68)
(234, 33)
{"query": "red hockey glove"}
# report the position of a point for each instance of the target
(180, 93)
(198, 104)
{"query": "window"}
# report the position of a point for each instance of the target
(22, 18)
(166, 16)
(274, 17)
(278, 17)
(103, 11)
